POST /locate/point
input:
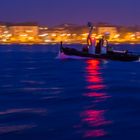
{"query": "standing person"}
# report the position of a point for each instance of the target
(98, 47)
(104, 44)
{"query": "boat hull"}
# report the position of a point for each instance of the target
(111, 56)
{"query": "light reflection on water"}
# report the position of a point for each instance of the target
(93, 117)
(15, 128)
(24, 110)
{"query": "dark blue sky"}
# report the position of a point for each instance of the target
(53, 12)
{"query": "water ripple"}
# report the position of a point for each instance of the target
(15, 128)
(24, 110)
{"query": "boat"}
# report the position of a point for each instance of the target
(98, 51)
(114, 55)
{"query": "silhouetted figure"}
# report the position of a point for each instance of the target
(85, 49)
(61, 46)
(98, 46)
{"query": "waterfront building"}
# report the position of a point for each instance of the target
(3, 31)
(111, 31)
(3, 28)
(24, 33)
(137, 35)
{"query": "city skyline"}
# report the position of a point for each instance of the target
(52, 12)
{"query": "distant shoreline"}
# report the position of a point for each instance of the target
(54, 43)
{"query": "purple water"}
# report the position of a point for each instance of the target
(42, 97)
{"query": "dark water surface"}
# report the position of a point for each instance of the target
(42, 97)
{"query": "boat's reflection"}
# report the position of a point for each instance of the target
(93, 121)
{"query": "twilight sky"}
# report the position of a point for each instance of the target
(54, 12)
